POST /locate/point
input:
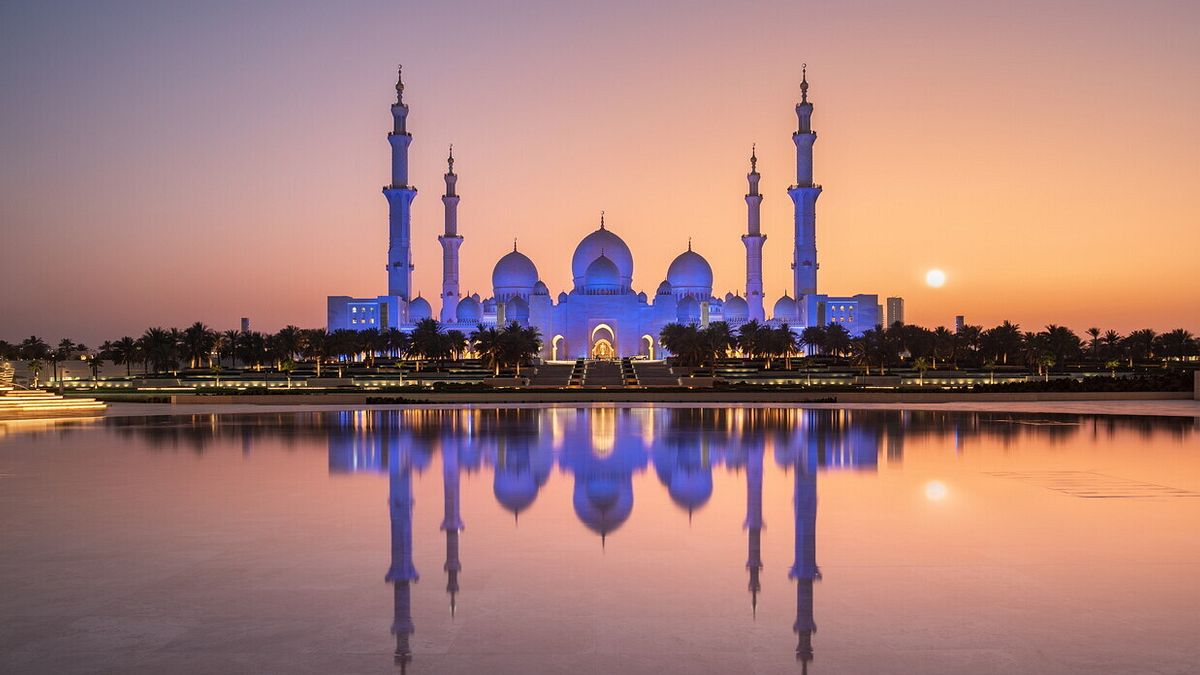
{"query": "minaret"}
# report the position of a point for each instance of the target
(450, 242)
(754, 520)
(452, 522)
(402, 573)
(804, 195)
(754, 240)
(400, 196)
(804, 567)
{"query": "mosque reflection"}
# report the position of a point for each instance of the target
(602, 449)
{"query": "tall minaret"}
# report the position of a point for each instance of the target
(804, 195)
(400, 196)
(754, 239)
(450, 242)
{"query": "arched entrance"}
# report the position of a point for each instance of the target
(558, 348)
(604, 343)
(648, 347)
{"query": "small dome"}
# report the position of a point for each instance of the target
(489, 306)
(515, 490)
(729, 296)
(468, 310)
(691, 487)
(736, 309)
(688, 310)
(540, 288)
(641, 296)
(602, 502)
(517, 310)
(664, 288)
(562, 297)
(514, 272)
(690, 273)
(602, 275)
(785, 309)
(602, 242)
(419, 309)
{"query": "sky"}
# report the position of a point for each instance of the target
(171, 162)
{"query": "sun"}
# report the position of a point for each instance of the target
(935, 278)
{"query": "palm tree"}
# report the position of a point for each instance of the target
(519, 344)
(1176, 344)
(1003, 341)
(815, 339)
(1112, 344)
(719, 339)
(921, 364)
(837, 339)
(1093, 341)
(487, 345)
(457, 341)
(288, 342)
(785, 343)
(1062, 343)
(314, 345)
(156, 347)
(35, 366)
(1139, 345)
(227, 345)
(123, 351)
(748, 337)
(428, 341)
(943, 345)
(58, 355)
(198, 342)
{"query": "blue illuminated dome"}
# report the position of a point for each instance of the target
(598, 243)
(419, 309)
(688, 311)
(468, 310)
(514, 273)
(690, 274)
(785, 309)
(602, 276)
(516, 309)
(736, 309)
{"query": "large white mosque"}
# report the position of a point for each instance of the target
(602, 315)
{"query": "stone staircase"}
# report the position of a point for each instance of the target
(654, 374)
(603, 374)
(553, 375)
(628, 375)
(578, 372)
(35, 403)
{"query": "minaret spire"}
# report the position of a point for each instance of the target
(804, 196)
(400, 196)
(602, 219)
(753, 241)
(450, 241)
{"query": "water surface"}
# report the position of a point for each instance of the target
(604, 539)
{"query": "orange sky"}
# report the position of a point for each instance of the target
(166, 165)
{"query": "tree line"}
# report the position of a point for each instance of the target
(879, 348)
(168, 350)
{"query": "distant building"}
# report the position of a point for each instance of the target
(895, 310)
(959, 322)
(245, 324)
(602, 315)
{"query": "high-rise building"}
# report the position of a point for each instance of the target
(895, 310)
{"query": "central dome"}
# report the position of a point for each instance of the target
(602, 242)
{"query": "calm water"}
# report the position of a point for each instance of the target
(631, 540)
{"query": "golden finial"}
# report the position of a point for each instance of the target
(804, 83)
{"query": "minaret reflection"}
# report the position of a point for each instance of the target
(402, 573)
(802, 462)
(452, 522)
(754, 520)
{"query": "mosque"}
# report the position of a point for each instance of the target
(602, 316)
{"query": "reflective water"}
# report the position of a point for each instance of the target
(633, 540)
